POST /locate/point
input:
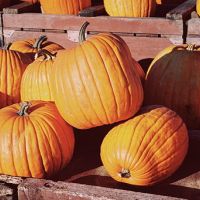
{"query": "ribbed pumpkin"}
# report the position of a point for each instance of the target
(36, 80)
(12, 67)
(31, 46)
(198, 7)
(95, 83)
(130, 8)
(64, 6)
(146, 149)
(173, 80)
(34, 140)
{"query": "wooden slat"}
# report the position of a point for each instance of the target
(140, 47)
(194, 26)
(183, 11)
(102, 24)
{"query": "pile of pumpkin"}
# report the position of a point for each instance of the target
(95, 84)
(128, 8)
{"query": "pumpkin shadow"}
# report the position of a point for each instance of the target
(145, 63)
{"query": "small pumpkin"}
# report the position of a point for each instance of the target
(173, 80)
(198, 7)
(146, 149)
(130, 8)
(36, 80)
(71, 7)
(12, 67)
(34, 140)
(95, 83)
(32, 46)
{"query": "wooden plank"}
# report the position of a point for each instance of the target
(21, 8)
(140, 47)
(194, 26)
(43, 189)
(183, 11)
(101, 24)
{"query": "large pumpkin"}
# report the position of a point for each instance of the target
(36, 81)
(64, 6)
(130, 8)
(95, 83)
(198, 7)
(146, 149)
(32, 46)
(12, 67)
(34, 140)
(173, 80)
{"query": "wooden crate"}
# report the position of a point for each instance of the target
(193, 24)
(145, 36)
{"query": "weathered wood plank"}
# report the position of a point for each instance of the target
(100, 24)
(194, 26)
(183, 11)
(43, 189)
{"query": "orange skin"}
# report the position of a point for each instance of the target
(38, 144)
(198, 7)
(71, 7)
(173, 80)
(36, 81)
(97, 82)
(130, 8)
(146, 149)
(12, 67)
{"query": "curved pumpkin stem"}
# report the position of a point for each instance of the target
(7, 46)
(47, 55)
(39, 42)
(24, 106)
(125, 173)
(82, 32)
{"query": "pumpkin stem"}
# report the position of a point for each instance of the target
(24, 106)
(191, 47)
(125, 173)
(82, 32)
(39, 42)
(47, 55)
(7, 46)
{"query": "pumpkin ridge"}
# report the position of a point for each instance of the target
(56, 138)
(95, 84)
(109, 78)
(86, 93)
(165, 142)
(156, 121)
(11, 147)
(122, 71)
(38, 148)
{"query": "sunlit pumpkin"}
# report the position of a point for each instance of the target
(34, 140)
(147, 148)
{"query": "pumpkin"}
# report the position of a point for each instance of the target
(95, 83)
(36, 81)
(32, 46)
(130, 8)
(173, 80)
(139, 70)
(34, 140)
(146, 149)
(12, 67)
(64, 6)
(198, 7)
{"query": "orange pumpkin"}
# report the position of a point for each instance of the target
(198, 7)
(95, 83)
(146, 149)
(173, 80)
(32, 46)
(12, 66)
(34, 140)
(36, 80)
(64, 6)
(130, 8)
